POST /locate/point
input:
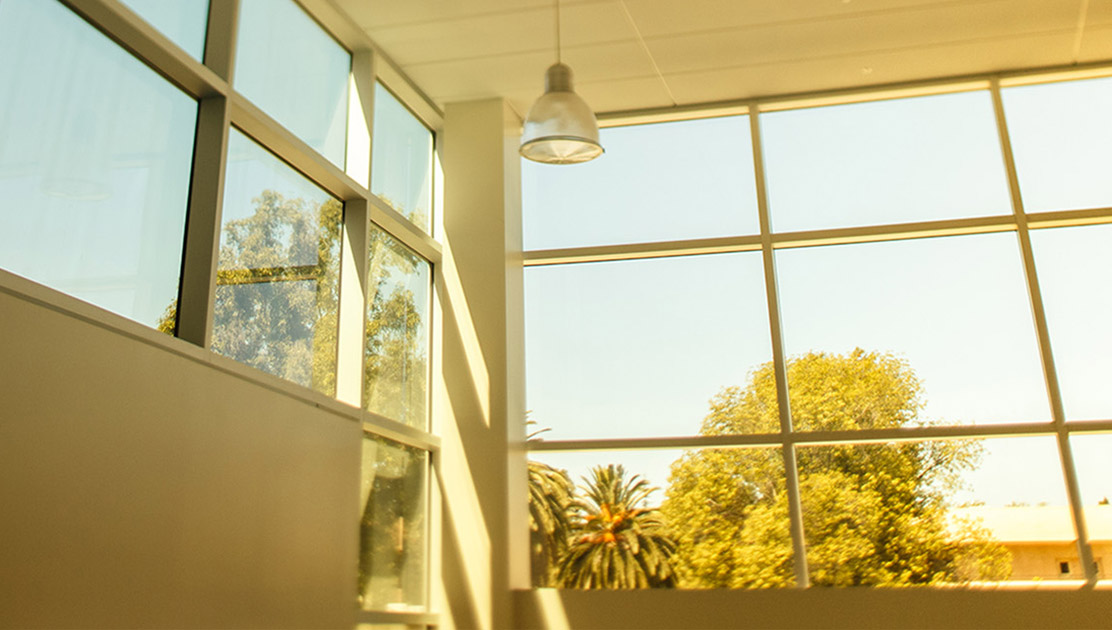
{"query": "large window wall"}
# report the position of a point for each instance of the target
(206, 169)
(857, 343)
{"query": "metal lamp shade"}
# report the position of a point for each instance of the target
(560, 127)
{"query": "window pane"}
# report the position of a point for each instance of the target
(276, 294)
(291, 68)
(661, 182)
(919, 159)
(393, 528)
(1075, 274)
(1062, 142)
(722, 519)
(402, 160)
(944, 511)
(928, 331)
(637, 348)
(95, 159)
(1017, 494)
(396, 356)
(183, 21)
(1094, 475)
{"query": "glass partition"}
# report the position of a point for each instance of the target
(293, 70)
(396, 355)
(95, 157)
(183, 21)
(401, 163)
(895, 161)
(277, 280)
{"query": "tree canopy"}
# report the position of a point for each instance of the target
(874, 514)
(616, 540)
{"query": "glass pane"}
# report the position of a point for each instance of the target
(1091, 454)
(276, 294)
(929, 331)
(722, 519)
(945, 511)
(1062, 142)
(396, 356)
(292, 69)
(919, 159)
(637, 348)
(402, 160)
(183, 21)
(393, 529)
(661, 182)
(95, 158)
(1075, 274)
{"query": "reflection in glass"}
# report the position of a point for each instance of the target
(95, 159)
(917, 159)
(393, 527)
(183, 21)
(719, 516)
(659, 182)
(401, 166)
(1062, 142)
(396, 355)
(276, 294)
(636, 348)
(292, 69)
(1075, 274)
(1094, 475)
(952, 311)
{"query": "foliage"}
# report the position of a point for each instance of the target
(551, 495)
(873, 514)
(277, 299)
(395, 365)
(616, 541)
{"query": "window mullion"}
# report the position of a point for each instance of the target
(779, 361)
(1042, 331)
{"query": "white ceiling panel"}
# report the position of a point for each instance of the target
(905, 30)
(635, 54)
(508, 33)
(847, 72)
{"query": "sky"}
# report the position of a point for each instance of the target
(637, 348)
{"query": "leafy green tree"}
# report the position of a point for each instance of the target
(873, 514)
(617, 541)
(277, 289)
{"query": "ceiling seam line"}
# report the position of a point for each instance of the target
(1082, 17)
(648, 53)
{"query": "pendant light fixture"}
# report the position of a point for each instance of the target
(560, 127)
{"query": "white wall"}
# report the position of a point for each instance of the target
(147, 483)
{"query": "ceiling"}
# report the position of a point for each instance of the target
(636, 54)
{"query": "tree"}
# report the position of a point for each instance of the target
(616, 542)
(873, 514)
(551, 495)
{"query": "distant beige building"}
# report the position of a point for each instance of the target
(1042, 539)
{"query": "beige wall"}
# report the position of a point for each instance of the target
(144, 484)
(1040, 561)
(479, 400)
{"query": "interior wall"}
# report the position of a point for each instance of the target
(835, 608)
(478, 415)
(147, 483)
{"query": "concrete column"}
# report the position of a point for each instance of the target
(480, 398)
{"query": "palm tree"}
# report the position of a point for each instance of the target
(617, 542)
(550, 497)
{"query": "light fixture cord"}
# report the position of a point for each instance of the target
(558, 59)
